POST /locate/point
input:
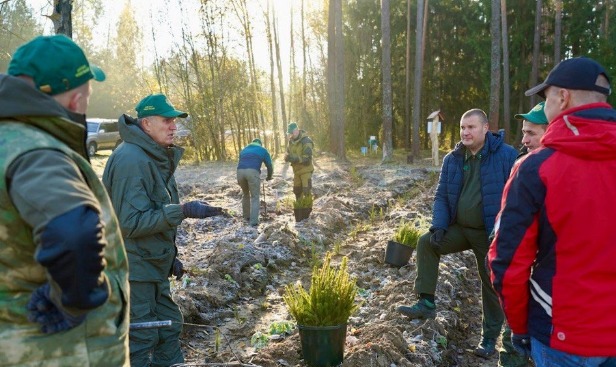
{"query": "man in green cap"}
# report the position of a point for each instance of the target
(299, 154)
(139, 177)
(534, 124)
(64, 272)
(248, 177)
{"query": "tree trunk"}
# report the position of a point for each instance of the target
(386, 70)
(292, 70)
(268, 31)
(558, 19)
(331, 72)
(304, 116)
(418, 76)
(280, 84)
(495, 66)
(61, 17)
(407, 84)
(506, 86)
(340, 96)
(536, 45)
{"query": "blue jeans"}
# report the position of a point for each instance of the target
(544, 356)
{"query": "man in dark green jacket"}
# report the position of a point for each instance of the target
(299, 154)
(63, 268)
(139, 178)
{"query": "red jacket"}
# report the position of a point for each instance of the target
(553, 259)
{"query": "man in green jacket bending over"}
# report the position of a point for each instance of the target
(139, 178)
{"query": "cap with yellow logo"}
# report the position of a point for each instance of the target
(157, 105)
(536, 115)
(55, 63)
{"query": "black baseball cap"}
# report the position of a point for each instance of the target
(576, 73)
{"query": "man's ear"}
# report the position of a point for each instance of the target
(145, 124)
(74, 101)
(564, 99)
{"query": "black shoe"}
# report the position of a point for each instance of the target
(423, 309)
(486, 348)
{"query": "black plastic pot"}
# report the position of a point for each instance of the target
(301, 213)
(323, 346)
(398, 254)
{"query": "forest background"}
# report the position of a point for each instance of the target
(352, 68)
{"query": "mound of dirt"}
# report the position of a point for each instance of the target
(232, 297)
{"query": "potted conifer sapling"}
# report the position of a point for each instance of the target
(322, 312)
(400, 249)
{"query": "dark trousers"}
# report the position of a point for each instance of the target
(154, 347)
(457, 239)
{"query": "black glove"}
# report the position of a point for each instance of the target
(178, 269)
(198, 209)
(521, 344)
(43, 311)
(436, 240)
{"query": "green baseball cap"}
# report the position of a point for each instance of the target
(536, 115)
(55, 63)
(292, 127)
(157, 105)
(257, 141)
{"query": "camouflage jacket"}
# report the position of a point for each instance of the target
(301, 148)
(102, 339)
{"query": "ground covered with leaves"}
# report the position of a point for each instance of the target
(232, 297)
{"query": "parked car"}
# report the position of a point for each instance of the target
(183, 136)
(102, 134)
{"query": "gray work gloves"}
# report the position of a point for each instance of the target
(436, 240)
(291, 158)
(199, 209)
(42, 310)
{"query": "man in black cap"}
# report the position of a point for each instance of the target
(552, 257)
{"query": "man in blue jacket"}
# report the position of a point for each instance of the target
(248, 177)
(467, 200)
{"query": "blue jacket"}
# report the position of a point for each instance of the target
(252, 156)
(497, 158)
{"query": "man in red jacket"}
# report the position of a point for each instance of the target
(552, 258)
